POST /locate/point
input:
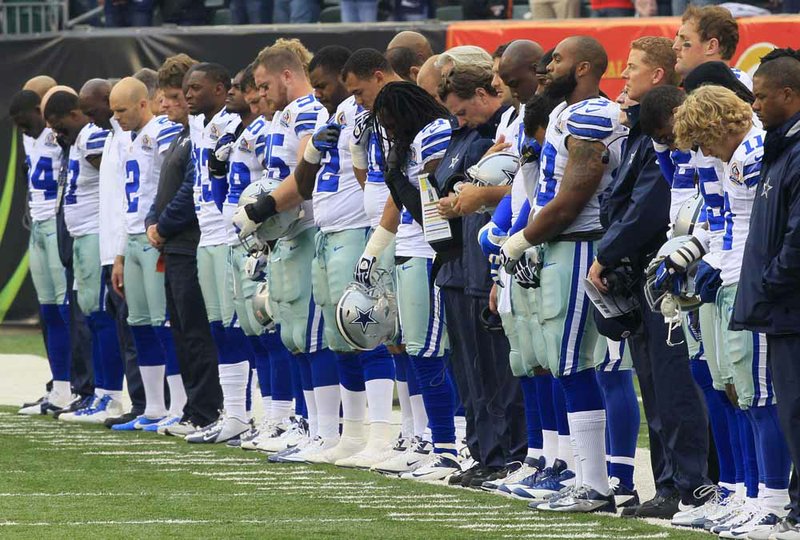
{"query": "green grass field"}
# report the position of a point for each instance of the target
(21, 341)
(71, 481)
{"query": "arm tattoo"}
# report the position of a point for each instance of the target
(585, 167)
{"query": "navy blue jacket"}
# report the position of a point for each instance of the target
(471, 270)
(173, 209)
(635, 208)
(768, 299)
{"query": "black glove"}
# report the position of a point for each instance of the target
(262, 209)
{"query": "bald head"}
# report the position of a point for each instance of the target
(129, 104)
(93, 101)
(40, 84)
(517, 68)
(53, 90)
(587, 49)
(414, 41)
(429, 76)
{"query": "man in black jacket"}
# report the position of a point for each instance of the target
(172, 228)
(636, 209)
(768, 299)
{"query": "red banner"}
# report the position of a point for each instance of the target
(757, 36)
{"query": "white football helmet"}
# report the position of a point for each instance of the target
(687, 300)
(367, 316)
(261, 308)
(688, 214)
(496, 169)
(271, 228)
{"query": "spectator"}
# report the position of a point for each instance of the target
(121, 13)
(612, 8)
(296, 11)
(354, 11)
(251, 11)
(555, 9)
(413, 10)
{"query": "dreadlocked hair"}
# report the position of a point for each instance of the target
(408, 108)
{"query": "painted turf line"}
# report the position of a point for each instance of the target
(182, 522)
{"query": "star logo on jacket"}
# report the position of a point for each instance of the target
(454, 160)
(766, 187)
(364, 318)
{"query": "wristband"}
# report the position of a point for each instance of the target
(311, 154)
(358, 156)
(378, 242)
(516, 245)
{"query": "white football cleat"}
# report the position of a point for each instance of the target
(379, 448)
(290, 434)
(221, 431)
(415, 456)
(439, 467)
(317, 454)
(102, 408)
(351, 442)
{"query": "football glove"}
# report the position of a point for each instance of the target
(243, 224)
(528, 268)
(707, 282)
(255, 267)
(364, 270)
(224, 147)
(327, 137)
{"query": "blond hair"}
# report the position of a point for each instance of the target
(274, 58)
(710, 114)
(658, 53)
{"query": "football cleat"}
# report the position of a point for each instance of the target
(552, 480)
(516, 471)
(351, 442)
(624, 497)
(785, 529)
(317, 455)
(300, 452)
(415, 456)
(438, 468)
(74, 416)
(580, 500)
(103, 408)
(76, 403)
(223, 430)
(294, 430)
(34, 408)
(161, 427)
(736, 519)
(247, 441)
(379, 448)
(763, 520)
(529, 472)
(696, 516)
(179, 429)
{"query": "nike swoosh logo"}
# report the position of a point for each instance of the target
(147, 248)
(622, 499)
(50, 234)
(209, 436)
(405, 267)
(293, 248)
(548, 264)
(337, 248)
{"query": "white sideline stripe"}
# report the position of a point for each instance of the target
(593, 536)
(437, 496)
(260, 473)
(445, 506)
(132, 453)
(394, 515)
(531, 522)
(489, 527)
(176, 494)
(182, 522)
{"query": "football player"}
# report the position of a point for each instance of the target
(42, 159)
(567, 221)
(739, 144)
(81, 216)
(135, 274)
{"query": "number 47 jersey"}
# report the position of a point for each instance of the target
(43, 158)
(596, 120)
(143, 157)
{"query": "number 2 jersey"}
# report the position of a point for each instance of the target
(376, 193)
(430, 144)
(297, 120)
(245, 167)
(338, 198)
(82, 197)
(143, 157)
(594, 119)
(213, 230)
(43, 158)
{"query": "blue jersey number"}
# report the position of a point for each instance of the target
(328, 181)
(72, 182)
(547, 186)
(41, 178)
(238, 179)
(200, 163)
(132, 185)
(276, 166)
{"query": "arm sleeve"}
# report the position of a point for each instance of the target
(502, 214)
(647, 214)
(404, 193)
(219, 190)
(666, 165)
(522, 218)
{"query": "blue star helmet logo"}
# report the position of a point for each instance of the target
(364, 318)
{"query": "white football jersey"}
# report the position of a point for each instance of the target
(430, 144)
(294, 122)
(743, 78)
(43, 159)
(709, 173)
(594, 119)
(82, 195)
(245, 166)
(740, 182)
(113, 239)
(509, 127)
(213, 231)
(682, 186)
(338, 198)
(144, 154)
(375, 191)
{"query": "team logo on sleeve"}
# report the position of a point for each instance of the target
(286, 118)
(736, 175)
(50, 140)
(214, 132)
(147, 143)
(341, 119)
(246, 146)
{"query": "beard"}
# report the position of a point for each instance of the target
(563, 86)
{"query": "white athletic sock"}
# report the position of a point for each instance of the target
(565, 452)
(280, 410)
(354, 405)
(761, 487)
(534, 453)
(773, 500)
(420, 417)
(116, 395)
(177, 395)
(379, 399)
(427, 435)
(741, 491)
(62, 388)
(576, 460)
(728, 486)
(153, 382)
(550, 446)
(327, 400)
(461, 427)
(407, 415)
(99, 392)
(588, 428)
(266, 405)
(233, 380)
(313, 413)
